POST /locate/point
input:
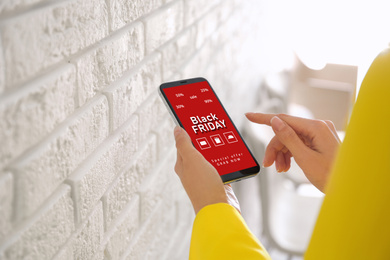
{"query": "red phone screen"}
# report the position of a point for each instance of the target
(210, 128)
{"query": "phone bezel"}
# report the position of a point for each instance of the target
(226, 178)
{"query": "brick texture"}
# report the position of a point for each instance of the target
(39, 173)
(163, 25)
(109, 61)
(6, 203)
(31, 113)
(46, 231)
(87, 151)
(11, 5)
(52, 34)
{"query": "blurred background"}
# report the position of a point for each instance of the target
(315, 55)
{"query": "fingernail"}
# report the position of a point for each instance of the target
(249, 113)
(176, 131)
(277, 123)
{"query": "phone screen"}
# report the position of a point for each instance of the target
(200, 113)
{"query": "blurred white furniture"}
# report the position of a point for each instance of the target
(329, 93)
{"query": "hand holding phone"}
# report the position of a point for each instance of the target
(195, 107)
(199, 178)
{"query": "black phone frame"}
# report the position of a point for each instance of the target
(226, 178)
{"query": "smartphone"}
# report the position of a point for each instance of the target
(195, 106)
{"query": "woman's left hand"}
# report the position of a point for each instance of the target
(200, 179)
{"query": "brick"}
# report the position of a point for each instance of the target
(124, 96)
(124, 189)
(35, 110)
(183, 207)
(177, 52)
(65, 253)
(165, 138)
(141, 244)
(52, 34)
(100, 254)
(123, 12)
(96, 173)
(122, 234)
(229, 27)
(151, 74)
(119, 194)
(159, 203)
(90, 236)
(127, 94)
(6, 204)
(151, 113)
(153, 189)
(193, 12)
(168, 166)
(109, 61)
(44, 233)
(2, 68)
(184, 213)
(163, 25)
(206, 27)
(86, 241)
(148, 157)
(163, 235)
(179, 248)
(200, 62)
(11, 5)
(154, 236)
(40, 172)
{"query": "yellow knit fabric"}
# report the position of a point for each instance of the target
(354, 221)
(219, 232)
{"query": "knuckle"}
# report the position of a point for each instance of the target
(320, 124)
(324, 126)
(330, 124)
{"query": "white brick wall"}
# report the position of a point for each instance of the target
(86, 145)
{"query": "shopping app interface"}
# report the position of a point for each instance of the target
(209, 127)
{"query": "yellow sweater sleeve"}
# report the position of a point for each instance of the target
(219, 232)
(354, 221)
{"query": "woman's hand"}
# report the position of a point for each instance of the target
(200, 179)
(312, 143)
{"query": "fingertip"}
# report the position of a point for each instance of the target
(249, 114)
(266, 163)
(177, 130)
(183, 141)
(259, 118)
(178, 134)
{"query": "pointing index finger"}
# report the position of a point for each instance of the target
(299, 124)
(260, 118)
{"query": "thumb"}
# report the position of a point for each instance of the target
(289, 138)
(183, 142)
